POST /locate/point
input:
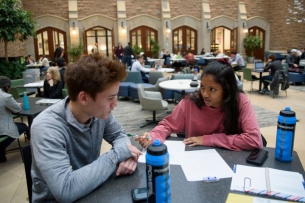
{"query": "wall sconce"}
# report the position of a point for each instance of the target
(123, 29)
(73, 28)
(245, 27)
(207, 25)
(167, 27)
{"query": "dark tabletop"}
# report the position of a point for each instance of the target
(34, 110)
(118, 189)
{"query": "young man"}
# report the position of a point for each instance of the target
(67, 137)
(235, 57)
(59, 52)
(128, 52)
(137, 66)
(293, 59)
(60, 62)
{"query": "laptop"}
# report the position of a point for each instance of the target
(259, 66)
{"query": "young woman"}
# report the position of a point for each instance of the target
(7, 126)
(52, 86)
(119, 52)
(217, 115)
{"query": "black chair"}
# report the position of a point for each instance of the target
(27, 160)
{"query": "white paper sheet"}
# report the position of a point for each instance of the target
(204, 163)
(175, 150)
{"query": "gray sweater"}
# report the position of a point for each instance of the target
(66, 161)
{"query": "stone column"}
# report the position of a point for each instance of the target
(166, 31)
(123, 31)
(204, 37)
(73, 33)
(242, 26)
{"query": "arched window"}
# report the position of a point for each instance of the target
(101, 36)
(46, 41)
(224, 39)
(185, 40)
(141, 36)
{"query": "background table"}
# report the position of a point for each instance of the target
(260, 77)
(34, 110)
(37, 85)
(118, 189)
(178, 85)
(34, 65)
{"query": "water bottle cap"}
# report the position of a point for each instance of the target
(287, 112)
(157, 143)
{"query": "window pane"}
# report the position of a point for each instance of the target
(139, 42)
(39, 44)
(55, 39)
(45, 43)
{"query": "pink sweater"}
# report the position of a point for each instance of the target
(209, 123)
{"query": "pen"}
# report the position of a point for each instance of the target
(135, 136)
(210, 179)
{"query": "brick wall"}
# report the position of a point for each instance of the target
(42, 7)
(139, 7)
(13, 49)
(184, 7)
(103, 7)
(257, 8)
(224, 7)
(282, 36)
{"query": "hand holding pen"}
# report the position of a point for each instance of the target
(144, 139)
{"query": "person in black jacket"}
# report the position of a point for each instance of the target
(272, 65)
(128, 52)
(52, 86)
(60, 62)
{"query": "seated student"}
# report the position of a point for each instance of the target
(52, 86)
(66, 157)
(44, 62)
(272, 65)
(137, 66)
(202, 51)
(60, 62)
(7, 126)
(219, 115)
(235, 57)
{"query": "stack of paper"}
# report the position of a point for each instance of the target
(47, 101)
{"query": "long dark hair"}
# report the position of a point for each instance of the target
(223, 74)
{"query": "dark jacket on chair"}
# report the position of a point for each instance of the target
(280, 76)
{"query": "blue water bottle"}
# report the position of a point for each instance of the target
(26, 105)
(157, 173)
(285, 135)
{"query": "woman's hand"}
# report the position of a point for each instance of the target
(20, 104)
(51, 82)
(193, 141)
(144, 140)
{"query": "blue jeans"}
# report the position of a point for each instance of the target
(43, 69)
(127, 60)
(267, 77)
(118, 58)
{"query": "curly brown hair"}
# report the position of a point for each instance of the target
(93, 74)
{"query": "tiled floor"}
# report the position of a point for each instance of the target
(12, 177)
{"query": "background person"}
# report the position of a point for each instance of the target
(59, 52)
(138, 66)
(128, 52)
(45, 64)
(219, 115)
(118, 53)
(62, 69)
(235, 57)
(52, 86)
(273, 65)
(293, 60)
(67, 164)
(7, 125)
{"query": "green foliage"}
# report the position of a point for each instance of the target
(75, 51)
(155, 48)
(16, 24)
(252, 43)
(136, 49)
(13, 70)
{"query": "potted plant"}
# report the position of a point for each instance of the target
(155, 48)
(136, 49)
(75, 52)
(251, 44)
